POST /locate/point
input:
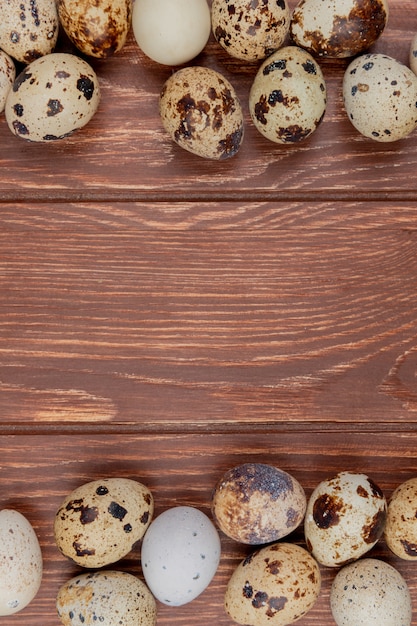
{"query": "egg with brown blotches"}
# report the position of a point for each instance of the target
(7, 77)
(401, 527)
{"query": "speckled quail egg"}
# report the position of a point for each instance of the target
(380, 96)
(21, 563)
(99, 522)
(52, 97)
(287, 100)
(274, 586)
(413, 54)
(180, 555)
(370, 592)
(201, 112)
(106, 598)
(338, 28)
(7, 76)
(250, 31)
(401, 526)
(171, 33)
(255, 503)
(28, 28)
(345, 518)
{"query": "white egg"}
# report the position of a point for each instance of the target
(171, 33)
(180, 555)
(21, 562)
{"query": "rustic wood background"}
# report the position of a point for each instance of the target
(165, 318)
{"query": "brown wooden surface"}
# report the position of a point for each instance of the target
(165, 318)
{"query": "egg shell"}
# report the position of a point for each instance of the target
(338, 28)
(106, 598)
(345, 518)
(98, 29)
(7, 77)
(171, 33)
(201, 112)
(28, 28)
(287, 100)
(21, 563)
(413, 54)
(274, 586)
(380, 96)
(180, 555)
(370, 592)
(401, 526)
(256, 503)
(99, 522)
(250, 31)
(52, 97)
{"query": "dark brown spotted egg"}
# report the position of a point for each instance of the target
(413, 54)
(52, 97)
(274, 586)
(255, 503)
(338, 28)
(401, 526)
(100, 521)
(248, 30)
(201, 112)
(288, 97)
(345, 518)
(7, 77)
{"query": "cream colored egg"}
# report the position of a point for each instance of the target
(250, 31)
(106, 598)
(100, 522)
(171, 33)
(338, 28)
(98, 29)
(380, 96)
(401, 526)
(287, 100)
(201, 112)
(413, 54)
(7, 76)
(52, 97)
(370, 592)
(345, 518)
(21, 563)
(274, 586)
(28, 28)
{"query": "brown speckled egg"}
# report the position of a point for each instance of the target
(7, 76)
(345, 518)
(52, 97)
(250, 31)
(380, 96)
(255, 503)
(28, 28)
(413, 54)
(287, 100)
(274, 586)
(370, 592)
(201, 112)
(106, 598)
(401, 526)
(100, 521)
(338, 28)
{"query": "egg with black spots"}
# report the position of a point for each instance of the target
(401, 527)
(413, 54)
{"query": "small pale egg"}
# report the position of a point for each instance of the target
(413, 54)
(52, 97)
(287, 100)
(99, 522)
(255, 503)
(345, 518)
(28, 29)
(201, 112)
(276, 585)
(338, 28)
(171, 33)
(7, 77)
(98, 29)
(401, 526)
(370, 592)
(21, 563)
(380, 96)
(180, 555)
(250, 31)
(107, 598)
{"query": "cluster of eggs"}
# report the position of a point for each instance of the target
(259, 505)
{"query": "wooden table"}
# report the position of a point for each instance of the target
(165, 318)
